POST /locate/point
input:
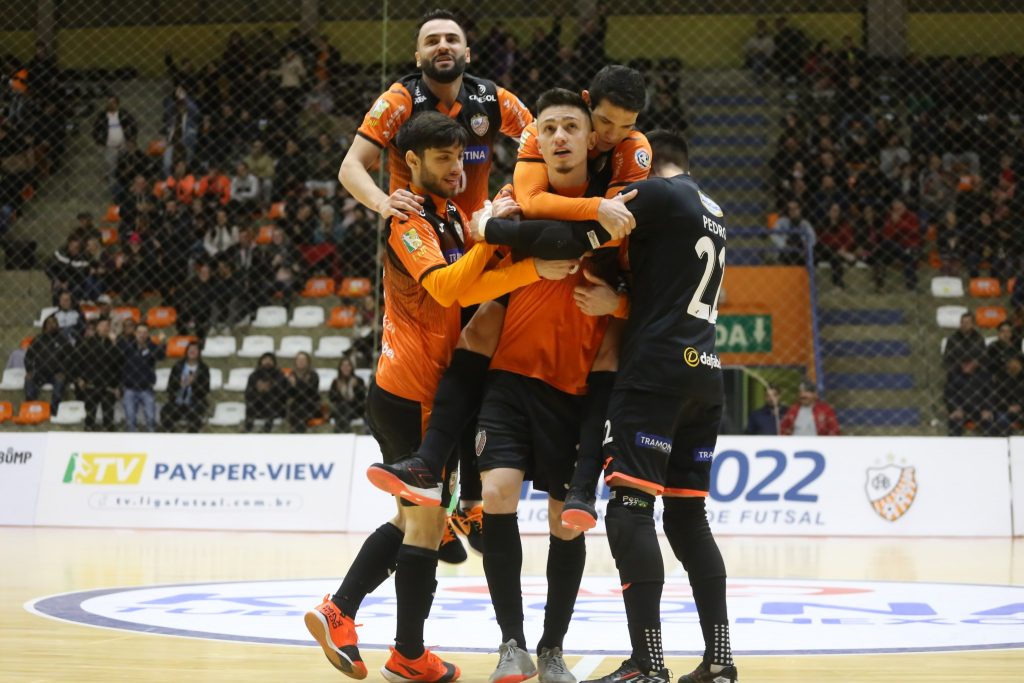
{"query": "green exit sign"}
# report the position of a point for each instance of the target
(743, 334)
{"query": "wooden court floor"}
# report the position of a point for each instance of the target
(36, 562)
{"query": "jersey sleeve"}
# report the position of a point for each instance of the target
(415, 244)
(386, 116)
(515, 116)
(631, 161)
(530, 180)
(529, 149)
(648, 205)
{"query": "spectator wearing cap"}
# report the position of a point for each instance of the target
(97, 369)
(187, 391)
(766, 420)
(138, 376)
(810, 415)
(46, 363)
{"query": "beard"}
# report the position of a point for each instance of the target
(445, 75)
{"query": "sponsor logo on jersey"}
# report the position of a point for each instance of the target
(481, 88)
(412, 241)
(523, 138)
(476, 154)
(379, 108)
(654, 442)
(419, 97)
(643, 159)
(710, 204)
(483, 98)
(703, 454)
(891, 490)
(479, 123)
(692, 357)
(452, 255)
(714, 227)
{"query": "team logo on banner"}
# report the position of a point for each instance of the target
(891, 490)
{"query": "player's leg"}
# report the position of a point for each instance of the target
(580, 512)
(456, 401)
(686, 527)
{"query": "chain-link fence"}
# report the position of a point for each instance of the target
(173, 164)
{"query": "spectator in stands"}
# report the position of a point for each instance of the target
(790, 45)
(291, 170)
(968, 395)
(221, 235)
(181, 128)
(69, 317)
(1008, 395)
(214, 187)
(261, 164)
(303, 393)
(786, 156)
(138, 376)
(850, 58)
(68, 267)
(187, 391)
(665, 112)
(227, 304)
(196, 303)
(964, 344)
(358, 259)
(251, 272)
(820, 67)
(181, 185)
(810, 415)
(112, 129)
(757, 51)
(1004, 348)
(948, 242)
(326, 61)
(281, 125)
(322, 163)
(790, 232)
(301, 222)
(766, 420)
(979, 244)
(133, 274)
(285, 265)
(854, 101)
(97, 370)
(292, 72)
(265, 394)
(131, 163)
(245, 187)
(959, 145)
(937, 191)
(137, 199)
(835, 244)
(347, 396)
(901, 243)
(893, 156)
(46, 363)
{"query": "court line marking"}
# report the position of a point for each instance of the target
(586, 666)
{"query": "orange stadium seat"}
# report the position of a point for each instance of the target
(315, 422)
(1010, 285)
(90, 311)
(156, 147)
(177, 345)
(276, 210)
(984, 287)
(265, 235)
(161, 316)
(32, 413)
(28, 192)
(6, 411)
(354, 286)
(128, 311)
(26, 342)
(113, 214)
(318, 287)
(342, 316)
(109, 235)
(990, 316)
(772, 220)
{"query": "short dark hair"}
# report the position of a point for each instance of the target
(668, 147)
(434, 15)
(622, 86)
(429, 130)
(560, 97)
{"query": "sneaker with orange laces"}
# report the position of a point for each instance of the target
(336, 634)
(427, 667)
(470, 523)
(451, 550)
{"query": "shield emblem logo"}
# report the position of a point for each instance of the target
(479, 123)
(891, 490)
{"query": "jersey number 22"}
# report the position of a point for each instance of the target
(705, 247)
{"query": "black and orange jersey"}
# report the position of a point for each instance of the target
(483, 108)
(627, 162)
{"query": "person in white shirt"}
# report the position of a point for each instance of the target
(220, 236)
(111, 129)
(245, 186)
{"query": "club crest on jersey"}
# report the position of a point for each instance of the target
(643, 159)
(479, 123)
(891, 490)
(710, 204)
(481, 442)
(411, 240)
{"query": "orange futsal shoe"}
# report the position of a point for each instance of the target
(427, 667)
(336, 634)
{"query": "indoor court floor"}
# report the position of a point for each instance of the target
(115, 606)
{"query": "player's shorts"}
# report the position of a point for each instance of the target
(397, 424)
(661, 441)
(526, 424)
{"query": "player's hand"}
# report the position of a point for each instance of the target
(400, 204)
(614, 217)
(595, 299)
(506, 207)
(556, 270)
(478, 221)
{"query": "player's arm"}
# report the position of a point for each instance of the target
(546, 239)
(530, 179)
(515, 116)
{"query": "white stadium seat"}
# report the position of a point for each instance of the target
(69, 413)
(942, 345)
(365, 373)
(989, 341)
(216, 379)
(271, 316)
(228, 414)
(44, 314)
(326, 375)
(333, 347)
(307, 316)
(292, 345)
(255, 345)
(949, 316)
(238, 378)
(13, 380)
(163, 377)
(945, 286)
(220, 347)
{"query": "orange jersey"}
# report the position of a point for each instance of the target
(627, 162)
(483, 109)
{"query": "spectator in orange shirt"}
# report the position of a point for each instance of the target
(215, 187)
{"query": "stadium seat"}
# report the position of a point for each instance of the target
(365, 373)
(989, 316)
(277, 210)
(44, 314)
(32, 413)
(1010, 285)
(949, 316)
(90, 312)
(6, 411)
(156, 147)
(109, 235)
(255, 345)
(265, 234)
(326, 375)
(26, 342)
(163, 377)
(69, 413)
(294, 344)
(177, 345)
(13, 379)
(113, 214)
(228, 414)
(216, 379)
(942, 345)
(947, 287)
(128, 312)
(238, 378)
(318, 287)
(355, 286)
(985, 287)
(307, 316)
(220, 347)
(271, 316)
(342, 317)
(333, 347)
(989, 341)
(161, 316)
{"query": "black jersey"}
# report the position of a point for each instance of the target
(677, 259)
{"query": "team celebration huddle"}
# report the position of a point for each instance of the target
(560, 333)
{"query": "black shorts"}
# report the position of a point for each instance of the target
(397, 425)
(526, 424)
(661, 441)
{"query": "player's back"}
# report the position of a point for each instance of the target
(677, 258)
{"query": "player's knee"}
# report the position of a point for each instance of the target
(424, 526)
(482, 333)
(629, 521)
(686, 527)
(500, 491)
